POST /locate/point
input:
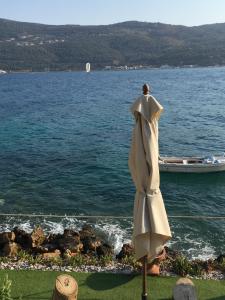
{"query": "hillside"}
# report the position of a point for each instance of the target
(29, 46)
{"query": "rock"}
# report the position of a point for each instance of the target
(104, 250)
(70, 232)
(184, 290)
(49, 255)
(94, 244)
(171, 254)
(23, 238)
(220, 259)
(87, 231)
(37, 237)
(70, 240)
(67, 254)
(40, 250)
(70, 244)
(6, 237)
(89, 240)
(10, 249)
(52, 242)
(126, 251)
(208, 265)
(90, 244)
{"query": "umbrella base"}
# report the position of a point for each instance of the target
(153, 270)
(144, 297)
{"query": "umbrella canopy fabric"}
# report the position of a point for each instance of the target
(151, 227)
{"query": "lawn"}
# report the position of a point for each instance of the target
(38, 285)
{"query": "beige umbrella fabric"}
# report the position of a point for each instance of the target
(151, 227)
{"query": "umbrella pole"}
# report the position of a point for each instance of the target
(144, 273)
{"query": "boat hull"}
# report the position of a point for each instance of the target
(197, 165)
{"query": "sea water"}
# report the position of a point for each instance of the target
(64, 144)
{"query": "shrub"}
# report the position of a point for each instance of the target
(182, 266)
(5, 292)
(131, 261)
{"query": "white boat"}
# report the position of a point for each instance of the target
(192, 164)
(2, 72)
(88, 67)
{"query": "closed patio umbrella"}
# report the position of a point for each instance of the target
(151, 228)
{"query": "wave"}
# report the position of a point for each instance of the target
(115, 232)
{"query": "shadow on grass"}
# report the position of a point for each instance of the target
(101, 282)
(44, 295)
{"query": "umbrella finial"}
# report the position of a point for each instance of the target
(145, 89)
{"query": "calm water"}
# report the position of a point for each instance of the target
(65, 140)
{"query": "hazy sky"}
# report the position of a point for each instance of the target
(85, 12)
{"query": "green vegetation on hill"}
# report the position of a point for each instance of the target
(28, 46)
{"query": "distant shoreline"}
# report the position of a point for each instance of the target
(120, 68)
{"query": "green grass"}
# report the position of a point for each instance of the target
(38, 285)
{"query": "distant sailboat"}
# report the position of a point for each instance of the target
(2, 72)
(88, 67)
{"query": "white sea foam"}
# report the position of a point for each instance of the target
(54, 227)
(115, 234)
(194, 248)
(112, 231)
(205, 252)
(26, 226)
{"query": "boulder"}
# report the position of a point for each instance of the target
(23, 238)
(6, 237)
(104, 250)
(50, 255)
(52, 242)
(10, 249)
(39, 250)
(220, 259)
(69, 254)
(89, 240)
(171, 254)
(208, 265)
(70, 240)
(70, 232)
(126, 251)
(37, 237)
(90, 244)
(93, 245)
(87, 232)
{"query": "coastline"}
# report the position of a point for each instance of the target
(85, 251)
(114, 68)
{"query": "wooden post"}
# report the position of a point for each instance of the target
(184, 290)
(66, 288)
(144, 274)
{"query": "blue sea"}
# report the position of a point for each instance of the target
(64, 144)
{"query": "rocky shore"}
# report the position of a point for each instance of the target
(84, 251)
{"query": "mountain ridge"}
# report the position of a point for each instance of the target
(37, 47)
